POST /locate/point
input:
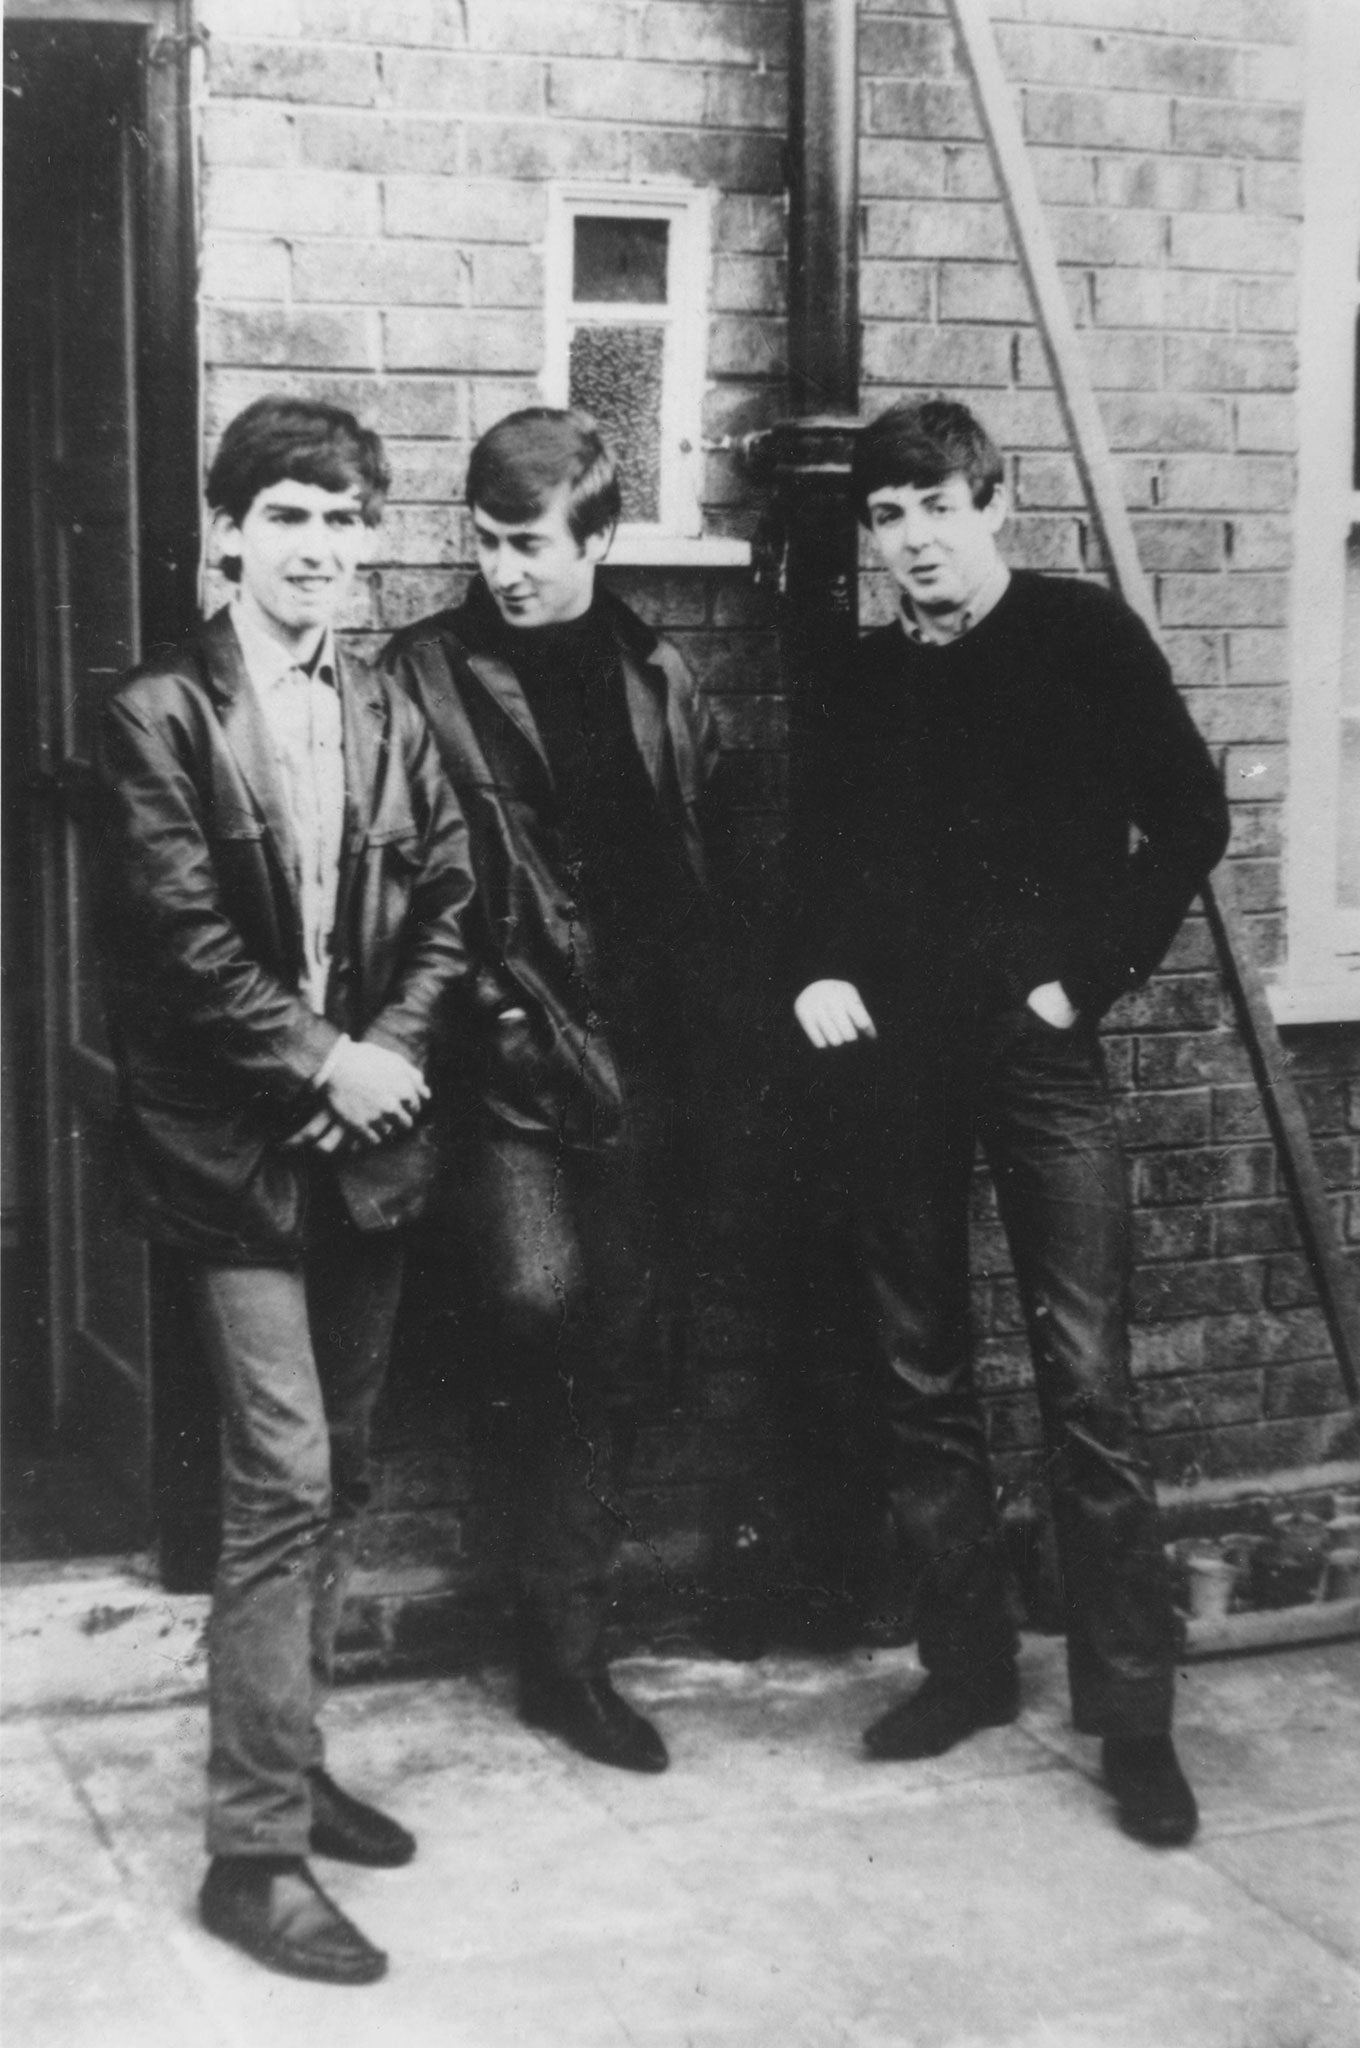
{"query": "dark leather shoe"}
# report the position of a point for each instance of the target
(940, 1713)
(1155, 1803)
(352, 1831)
(274, 1909)
(591, 1716)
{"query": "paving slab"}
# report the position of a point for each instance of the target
(772, 1890)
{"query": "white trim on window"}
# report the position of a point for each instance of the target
(684, 320)
(1321, 980)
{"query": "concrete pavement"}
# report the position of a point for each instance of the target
(772, 1890)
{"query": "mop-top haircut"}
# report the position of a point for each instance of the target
(918, 443)
(518, 467)
(303, 441)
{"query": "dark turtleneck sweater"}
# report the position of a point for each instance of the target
(1028, 803)
(624, 861)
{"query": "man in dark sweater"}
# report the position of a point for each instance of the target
(583, 753)
(1018, 813)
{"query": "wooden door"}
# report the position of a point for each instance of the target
(81, 141)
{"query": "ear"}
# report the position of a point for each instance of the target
(997, 509)
(226, 537)
(597, 545)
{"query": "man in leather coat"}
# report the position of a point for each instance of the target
(286, 869)
(580, 752)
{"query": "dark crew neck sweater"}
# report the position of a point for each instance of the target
(623, 859)
(1029, 803)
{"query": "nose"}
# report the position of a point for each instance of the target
(313, 541)
(915, 529)
(502, 569)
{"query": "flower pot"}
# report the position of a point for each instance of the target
(1210, 1582)
(1342, 1581)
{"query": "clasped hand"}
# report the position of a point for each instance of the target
(370, 1094)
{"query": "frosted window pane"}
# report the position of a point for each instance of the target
(1348, 860)
(620, 260)
(616, 378)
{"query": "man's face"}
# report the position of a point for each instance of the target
(300, 547)
(936, 542)
(537, 571)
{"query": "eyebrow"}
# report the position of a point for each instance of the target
(287, 510)
(515, 534)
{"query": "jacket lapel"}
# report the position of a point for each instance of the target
(247, 738)
(645, 688)
(363, 724)
(362, 717)
(499, 680)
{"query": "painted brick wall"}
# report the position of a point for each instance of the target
(373, 218)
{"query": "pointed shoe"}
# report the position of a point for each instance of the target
(274, 1909)
(939, 1714)
(586, 1712)
(351, 1831)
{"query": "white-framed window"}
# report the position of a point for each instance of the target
(1321, 981)
(627, 334)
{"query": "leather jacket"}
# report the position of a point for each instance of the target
(542, 1065)
(216, 1048)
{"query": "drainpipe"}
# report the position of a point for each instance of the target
(810, 452)
(824, 209)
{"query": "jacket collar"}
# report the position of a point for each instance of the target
(477, 626)
(247, 735)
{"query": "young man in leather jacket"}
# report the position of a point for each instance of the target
(286, 869)
(1019, 810)
(580, 752)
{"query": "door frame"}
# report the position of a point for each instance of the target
(166, 436)
(167, 354)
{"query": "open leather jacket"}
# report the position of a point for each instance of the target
(216, 1048)
(544, 1067)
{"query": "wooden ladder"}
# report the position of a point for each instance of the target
(1337, 1288)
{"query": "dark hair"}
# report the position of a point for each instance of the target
(520, 463)
(920, 442)
(302, 440)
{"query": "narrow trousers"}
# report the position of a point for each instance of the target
(1036, 1099)
(298, 1356)
(570, 1246)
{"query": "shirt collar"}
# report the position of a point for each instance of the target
(267, 663)
(928, 631)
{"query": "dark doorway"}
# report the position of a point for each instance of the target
(100, 556)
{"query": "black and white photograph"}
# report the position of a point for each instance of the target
(680, 1089)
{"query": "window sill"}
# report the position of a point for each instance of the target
(640, 550)
(1327, 1002)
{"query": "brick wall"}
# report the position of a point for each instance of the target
(373, 182)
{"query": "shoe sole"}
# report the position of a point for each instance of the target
(337, 1850)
